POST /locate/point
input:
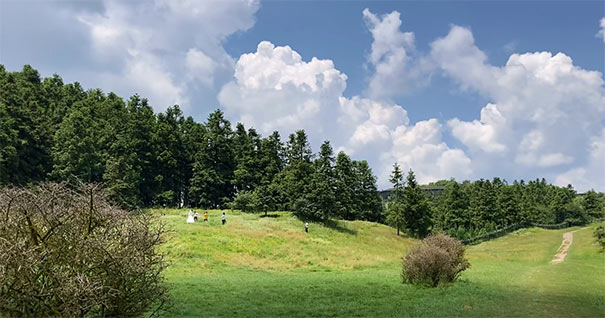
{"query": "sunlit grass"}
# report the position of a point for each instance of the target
(268, 266)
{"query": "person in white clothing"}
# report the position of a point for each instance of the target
(190, 217)
(224, 218)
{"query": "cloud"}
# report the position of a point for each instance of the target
(158, 42)
(544, 111)
(395, 67)
(168, 51)
(274, 89)
(601, 33)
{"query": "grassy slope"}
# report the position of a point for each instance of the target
(257, 266)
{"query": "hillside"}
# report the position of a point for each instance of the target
(268, 266)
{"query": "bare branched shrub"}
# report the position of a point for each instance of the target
(437, 260)
(66, 251)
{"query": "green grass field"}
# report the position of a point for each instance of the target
(268, 266)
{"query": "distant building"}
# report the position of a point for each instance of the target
(431, 191)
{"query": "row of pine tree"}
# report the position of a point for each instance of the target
(55, 131)
(468, 209)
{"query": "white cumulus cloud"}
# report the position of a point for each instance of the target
(396, 68)
(165, 50)
(544, 111)
(275, 89)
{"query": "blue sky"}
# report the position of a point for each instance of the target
(425, 84)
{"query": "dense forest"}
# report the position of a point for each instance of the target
(468, 209)
(55, 131)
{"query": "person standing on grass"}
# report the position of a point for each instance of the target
(206, 216)
(224, 218)
(195, 217)
(307, 227)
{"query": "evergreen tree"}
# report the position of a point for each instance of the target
(321, 196)
(455, 209)
(296, 176)
(347, 188)
(247, 154)
(366, 198)
(214, 165)
(141, 128)
(509, 206)
(416, 209)
(395, 205)
(272, 159)
(77, 151)
(25, 136)
(592, 205)
(170, 157)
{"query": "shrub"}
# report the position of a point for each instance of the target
(68, 252)
(599, 234)
(437, 260)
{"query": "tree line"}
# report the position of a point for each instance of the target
(55, 131)
(468, 209)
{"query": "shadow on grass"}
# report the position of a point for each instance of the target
(270, 216)
(330, 295)
(335, 225)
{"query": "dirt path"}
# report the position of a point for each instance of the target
(564, 248)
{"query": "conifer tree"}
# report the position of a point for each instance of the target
(367, 199)
(321, 196)
(416, 209)
(395, 204)
(214, 165)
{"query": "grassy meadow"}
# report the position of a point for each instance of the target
(256, 266)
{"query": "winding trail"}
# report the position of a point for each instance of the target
(564, 248)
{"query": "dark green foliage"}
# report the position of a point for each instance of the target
(395, 206)
(416, 208)
(320, 197)
(296, 176)
(599, 234)
(438, 260)
(593, 204)
(51, 130)
(246, 201)
(365, 194)
(211, 184)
